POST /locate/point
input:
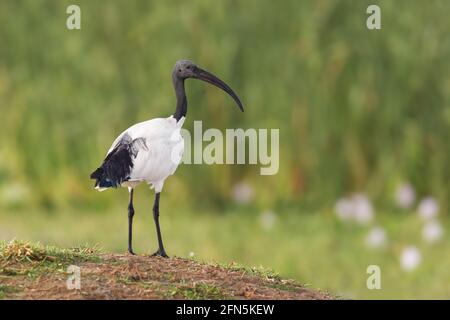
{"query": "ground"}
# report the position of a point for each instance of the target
(33, 271)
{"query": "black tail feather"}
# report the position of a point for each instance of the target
(97, 174)
(101, 180)
(116, 167)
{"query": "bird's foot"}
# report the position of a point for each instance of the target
(130, 251)
(160, 253)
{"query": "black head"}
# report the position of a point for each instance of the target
(185, 69)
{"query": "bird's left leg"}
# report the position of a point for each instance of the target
(130, 222)
(161, 252)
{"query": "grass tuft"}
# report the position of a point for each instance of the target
(32, 259)
(197, 291)
(6, 289)
(21, 251)
(263, 272)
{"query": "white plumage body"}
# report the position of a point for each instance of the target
(158, 152)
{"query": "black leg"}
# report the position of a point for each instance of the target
(130, 223)
(161, 252)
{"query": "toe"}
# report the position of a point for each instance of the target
(160, 254)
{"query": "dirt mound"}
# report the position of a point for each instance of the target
(122, 276)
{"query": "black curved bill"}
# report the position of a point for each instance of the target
(210, 78)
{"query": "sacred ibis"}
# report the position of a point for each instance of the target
(151, 151)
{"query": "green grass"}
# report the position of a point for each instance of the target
(314, 249)
(32, 259)
(5, 289)
(262, 272)
(19, 251)
(197, 291)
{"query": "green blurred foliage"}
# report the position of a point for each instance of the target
(358, 110)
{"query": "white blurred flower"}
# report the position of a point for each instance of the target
(344, 209)
(358, 207)
(243, 192)
(191, 254)
(376, 238)
(267, 219)
(410, 258)
(362, 209)
(432, 231)
(428, 208)
(405, 196)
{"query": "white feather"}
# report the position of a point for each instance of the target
(158, 155)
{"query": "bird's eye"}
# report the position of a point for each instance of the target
(188, 67)
(179, 70)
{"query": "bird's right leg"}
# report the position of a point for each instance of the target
(130, 222)
(161, 252)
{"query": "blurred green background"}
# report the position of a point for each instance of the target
(359, 111)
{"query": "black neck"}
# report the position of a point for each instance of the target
(180, 93)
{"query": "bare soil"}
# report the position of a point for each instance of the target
(122, 276)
